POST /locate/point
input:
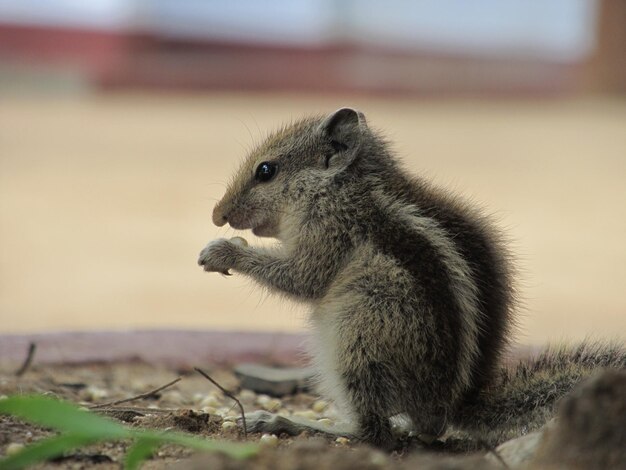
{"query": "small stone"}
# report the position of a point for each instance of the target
(247, 395)
(270, 440)
(262, 399)
(273, 381)
(210, 410)
(308, 414)
(516, 452)
(272, 405)
(14, 448)
(342, 441)
(229, 425)
(198, 397)
(93, 393)
(211, 400)
(319, 406)
(138, 385)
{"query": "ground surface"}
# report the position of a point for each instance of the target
(105, 202)
(192, 405)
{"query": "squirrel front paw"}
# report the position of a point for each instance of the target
(220, 255)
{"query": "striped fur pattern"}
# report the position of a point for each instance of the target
(409, 288)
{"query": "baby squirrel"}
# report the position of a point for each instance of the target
(409, 287)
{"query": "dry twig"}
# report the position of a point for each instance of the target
(138, 397)
(32, 347)
(229, 395)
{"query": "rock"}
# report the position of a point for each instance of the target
(229, 426)
(14, 448)
(590, 427)
(273, 381)
(272, 404)
(319, 406)
(270, 440)
(516, 452)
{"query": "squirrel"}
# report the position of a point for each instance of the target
(410, 287)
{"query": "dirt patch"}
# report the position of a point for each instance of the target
(195, 406)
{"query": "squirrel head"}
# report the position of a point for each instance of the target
(288, 168)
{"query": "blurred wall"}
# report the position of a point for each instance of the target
(428, 46)
(121, 121)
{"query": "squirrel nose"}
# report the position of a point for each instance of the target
(219, 219)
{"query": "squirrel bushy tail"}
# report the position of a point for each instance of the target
(523, 397)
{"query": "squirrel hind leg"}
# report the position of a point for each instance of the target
(375, 429)
(371, 409)
(429, 425)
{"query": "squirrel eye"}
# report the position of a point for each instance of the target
(265, 171)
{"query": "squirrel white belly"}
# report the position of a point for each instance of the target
(410, 288)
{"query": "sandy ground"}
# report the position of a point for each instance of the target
(105, 202)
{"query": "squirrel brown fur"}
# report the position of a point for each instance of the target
(410, 288)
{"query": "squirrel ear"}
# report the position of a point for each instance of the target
(344, 128)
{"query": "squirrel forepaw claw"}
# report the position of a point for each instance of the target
(218, 256)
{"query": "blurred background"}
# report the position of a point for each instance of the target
(122, 120)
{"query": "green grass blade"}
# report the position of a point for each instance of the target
(237, 450)
(140, 451)
(82, 427)
(62, 416)
(44, 450)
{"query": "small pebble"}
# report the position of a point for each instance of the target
(272, 405)
(13, 448)
(138, 385)
(319, 406)
(262, 399)
(308, 414)
(270, 440)
(229, 425)
(198, 397)
(247, 395)
(342, 441)
(210, 410)
(211, 400)
(92, 393)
